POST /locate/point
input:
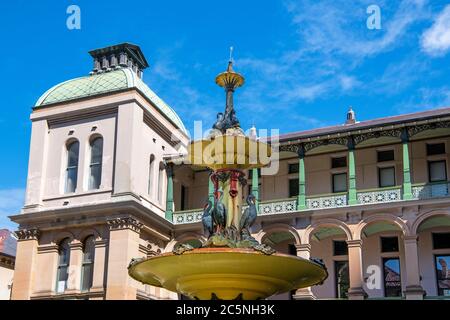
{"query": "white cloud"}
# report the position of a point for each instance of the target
(11, 201)
(339, 27)
(436, 40)
(426, 99)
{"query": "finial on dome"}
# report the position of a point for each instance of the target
(253, 134)
(351, 117)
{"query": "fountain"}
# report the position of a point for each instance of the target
(231, 264)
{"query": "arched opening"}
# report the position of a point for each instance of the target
(433, 232)
(282, 240)
(383, 249)
(196, 243)
(63, 265)
(151, 173)
(95, 166)
(329, 242)
(73, 150)
(161, 181)
(87, 267)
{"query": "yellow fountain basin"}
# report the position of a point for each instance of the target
(227, 273)
(229, 152)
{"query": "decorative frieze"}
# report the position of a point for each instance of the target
(394, 133)
(28, 234)
(125, 223)
(428, 126)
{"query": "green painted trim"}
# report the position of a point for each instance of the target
(169, 198)
(352, 199)
(188, 211)
(379, 189)
(278, 200)
(421, 184)
(323, 195)
(255, 186)
(407, 189)
(301, 198)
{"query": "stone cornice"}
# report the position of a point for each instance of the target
(122, 223)
(27, 234)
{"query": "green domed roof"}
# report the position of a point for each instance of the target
(102, 83)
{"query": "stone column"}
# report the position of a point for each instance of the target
(24, 270)
(98, 279)
(304, 251)
(356, 291)
(76, 260)
(301, 198)
(255, 186)
(169, 196)
(414, 290)
(407, 189)
(123, 246)
(351, 173)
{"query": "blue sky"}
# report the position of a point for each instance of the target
(304, 61)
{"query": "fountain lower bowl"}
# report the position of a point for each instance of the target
(228, 273)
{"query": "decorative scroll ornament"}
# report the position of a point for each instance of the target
(125, 223)
(28, 234)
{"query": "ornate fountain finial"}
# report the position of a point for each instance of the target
(229, 80)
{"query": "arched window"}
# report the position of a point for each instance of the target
(87, 267)
(151, 170)
(160, 181)
(63, 265)
(95, 168)
(72, 166)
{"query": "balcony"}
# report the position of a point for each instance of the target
(328, 201)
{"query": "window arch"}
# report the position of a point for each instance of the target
(87, 267)
(95, 167)
(151, 173)
(63, 265)
(73, 150)
(160, 181)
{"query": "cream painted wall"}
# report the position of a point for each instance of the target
(6, 277)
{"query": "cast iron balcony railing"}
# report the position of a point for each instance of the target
(420, 191)
(380, 195)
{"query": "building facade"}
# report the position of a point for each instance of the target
(370, 198)
(7, 260)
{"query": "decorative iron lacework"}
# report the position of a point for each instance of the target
(379, 196)
(430, 191)
(278, 207)
(290, 148)
(428, 126)
(394, 133)
(187, 217)
(314, 144)
(333, 201)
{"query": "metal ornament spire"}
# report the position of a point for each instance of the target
(229, 80)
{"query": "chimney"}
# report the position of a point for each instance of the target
(351, 117)
(124, 55)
